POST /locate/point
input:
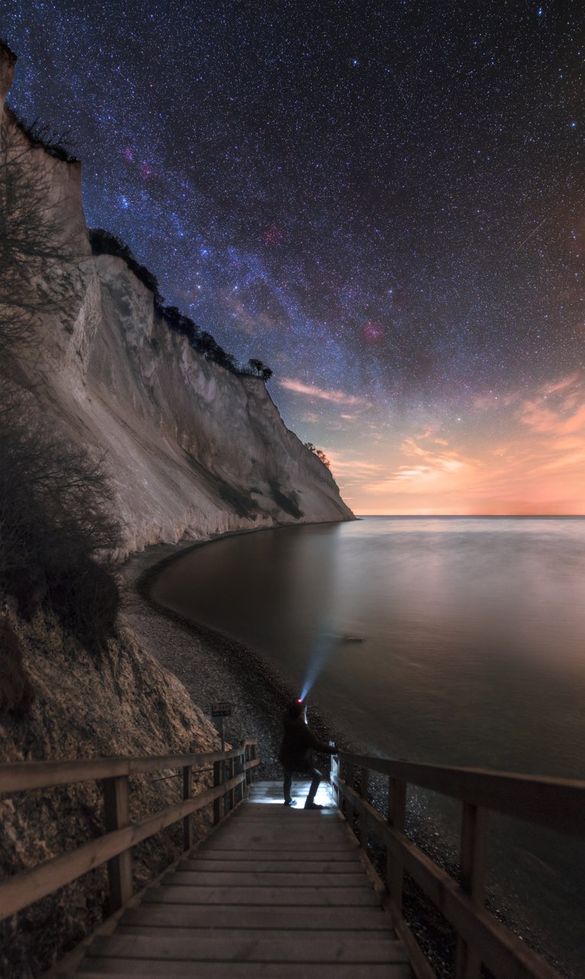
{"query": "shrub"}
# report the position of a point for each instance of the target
(319, 453)
(55, 528)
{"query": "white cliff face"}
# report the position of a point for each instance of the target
(191, 448)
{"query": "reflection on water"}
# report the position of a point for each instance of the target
(472, 635)
(472, 630)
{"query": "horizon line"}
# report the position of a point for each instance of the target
(478, 516)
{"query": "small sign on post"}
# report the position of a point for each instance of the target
(218, 712)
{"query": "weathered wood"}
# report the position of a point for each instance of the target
(230, 949)
(363, 819)
(420, 965)
(275, 838)
(473, 868)
(123, 968)
(300, 848)
(293, 867)
(502, 953)
(500, 950)
(266, 896)
(218, 802)
(260, 934)
(346, 855)
(229, 916)
(23, 889)
(555, 802)
(187, 794)
(117, 816)
(396, 818)
(22, 776)
(258, 878)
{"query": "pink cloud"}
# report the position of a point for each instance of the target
(321, 394)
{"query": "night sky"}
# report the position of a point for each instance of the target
(384, 201)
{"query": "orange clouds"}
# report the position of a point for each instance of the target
(315, 393)
(516, 453)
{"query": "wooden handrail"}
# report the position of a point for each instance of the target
(26, 775)
(555, 802)
(114, 847)
(481, 939)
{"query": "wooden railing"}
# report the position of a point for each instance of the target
(231, 776)
(481, 939)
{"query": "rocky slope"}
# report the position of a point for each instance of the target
(192, 448)
(122, 703)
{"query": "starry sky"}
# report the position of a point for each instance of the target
(384, 201)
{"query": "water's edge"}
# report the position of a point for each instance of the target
(263, 694)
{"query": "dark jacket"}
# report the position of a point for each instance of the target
(298, 744)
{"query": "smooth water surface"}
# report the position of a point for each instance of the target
(471, 652)
(472, 630)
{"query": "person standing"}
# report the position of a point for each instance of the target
(296, 753)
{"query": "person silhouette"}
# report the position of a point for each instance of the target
(296, 753)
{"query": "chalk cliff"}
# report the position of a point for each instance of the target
(192, 448)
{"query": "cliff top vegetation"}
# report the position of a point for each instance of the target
(105, 243)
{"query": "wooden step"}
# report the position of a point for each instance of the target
(281, 834)
(195, 878)
(274, 893)
(284, 812)
(125, 968)
(224, 917)
(255, 934)
(267, 896)
(229, 949)
(346, 855)
(271, 843)
(273, 866)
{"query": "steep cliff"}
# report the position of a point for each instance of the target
(192, 448)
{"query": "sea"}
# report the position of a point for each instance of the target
(449, 640)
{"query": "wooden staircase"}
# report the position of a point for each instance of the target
(274, 892)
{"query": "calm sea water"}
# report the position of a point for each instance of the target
(471, 651)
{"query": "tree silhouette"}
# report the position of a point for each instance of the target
(319, 453)
(259, 369)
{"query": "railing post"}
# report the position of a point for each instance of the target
(247, 758)
(241, 770)
(334, 777)
(396, 820)
(473, 866)
(342, 772)
(363, 815)
(232, 792)
(217, 803)
(187, 794)
(117, 816)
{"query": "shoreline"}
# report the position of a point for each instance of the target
(215, 667)
(212, 666)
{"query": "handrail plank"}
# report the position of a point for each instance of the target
(503, 953)
(23, 889)
(555, 802)
(20, 776)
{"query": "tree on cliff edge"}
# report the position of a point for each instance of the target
(38, 271)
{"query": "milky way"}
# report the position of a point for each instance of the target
(383, 201)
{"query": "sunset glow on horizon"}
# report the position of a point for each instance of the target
(509, 454)
(382, 202)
